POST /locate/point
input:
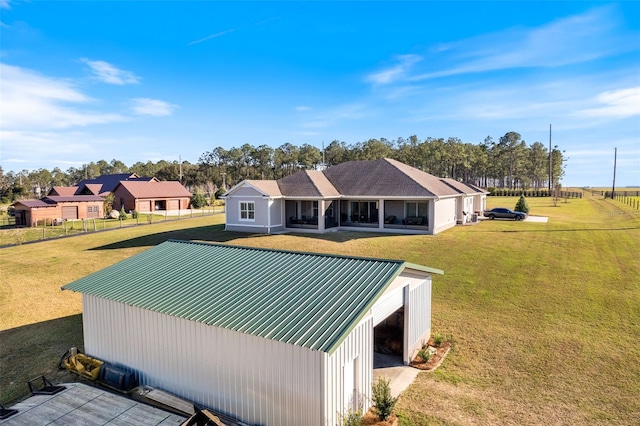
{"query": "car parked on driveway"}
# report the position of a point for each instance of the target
(504, 213)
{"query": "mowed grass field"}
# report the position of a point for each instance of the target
(545, 317)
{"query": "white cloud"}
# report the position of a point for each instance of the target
(155, 107)
(35, 149)
(571, 40)
(302, 108)
(620, 103)
(109, 74)
(332, 117)
(396, 72)
(33, 101)
(209, 37)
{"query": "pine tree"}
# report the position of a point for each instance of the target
(522, 206)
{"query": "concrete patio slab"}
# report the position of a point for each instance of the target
(391, 368)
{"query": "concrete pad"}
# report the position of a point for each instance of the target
(390, 367)
(539, 219)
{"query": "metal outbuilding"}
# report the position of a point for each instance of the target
(271, 337)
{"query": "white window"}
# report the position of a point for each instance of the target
(247, 210)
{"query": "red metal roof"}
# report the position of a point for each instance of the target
(74, 198)
(63, 190)
(34, 203)
(153, 189)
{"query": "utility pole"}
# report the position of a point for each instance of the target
(615, 156)
(324, 165)
(550, 173)
(180, 161)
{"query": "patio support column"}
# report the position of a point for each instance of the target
(381, 214)
(321, 215)
(432, 215)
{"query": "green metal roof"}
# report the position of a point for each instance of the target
(305, 299)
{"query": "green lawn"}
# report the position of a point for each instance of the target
(545, 316)
(11, 235)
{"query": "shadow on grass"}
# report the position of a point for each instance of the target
(33, 350)
(217, 234)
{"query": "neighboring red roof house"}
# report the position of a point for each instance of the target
(106, 184)
(63, 190)
(53, 207)
(148, 196)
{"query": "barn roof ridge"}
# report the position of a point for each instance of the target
(312, 300)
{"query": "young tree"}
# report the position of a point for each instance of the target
(522, 206)
(198, 200)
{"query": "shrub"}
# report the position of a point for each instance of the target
(123, 214)
(438, 339)
(220, 192)
(424, 355)
(383, 402)
(492, 190)
(134, 214)
(198, 200)
(522, 206)
(352, 418)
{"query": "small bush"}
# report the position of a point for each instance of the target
(438, 339)
(351, 418)
(134, 214)
(198, 200)
(424, 355)
(383, 402)
(123, 214)
(522, 206)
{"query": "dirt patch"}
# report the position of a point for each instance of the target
(371, 419)
(439, 353)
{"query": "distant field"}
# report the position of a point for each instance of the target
(544, 316)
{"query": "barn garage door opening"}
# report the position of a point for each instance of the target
(70, 212)
(388, 340)
(144, 206)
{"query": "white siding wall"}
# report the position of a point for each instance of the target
(357, 347)
(276, 214)
(257, 380)
(444, 215)
(419, 317)
(232, 208)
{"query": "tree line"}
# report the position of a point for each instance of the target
(506, 163)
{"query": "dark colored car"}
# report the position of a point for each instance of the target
(502, 213)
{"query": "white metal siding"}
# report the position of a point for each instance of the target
(419, 314)
(260, 381)
(358, 345)
(388, 304)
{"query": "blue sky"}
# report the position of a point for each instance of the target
(144, 80)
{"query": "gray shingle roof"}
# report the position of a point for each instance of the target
(267, 187)
(304, 299)
(385, 177)
(307, 183)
